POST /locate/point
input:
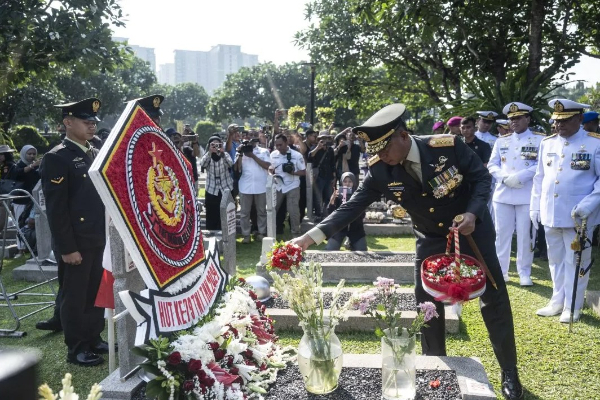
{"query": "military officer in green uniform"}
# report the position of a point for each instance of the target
(435, 178)
(76, 218)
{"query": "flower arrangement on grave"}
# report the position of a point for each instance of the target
(232, 353)
(68, 392)
(301, 285)
(452, 277)
(383, 304)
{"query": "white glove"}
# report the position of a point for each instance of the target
(579, 212)
(512, 181)
(534, 216)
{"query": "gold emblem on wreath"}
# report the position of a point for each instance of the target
(166, 197)
(95, 106)
(156, 102)
(558, 106)
(513, 108)
(363, 136)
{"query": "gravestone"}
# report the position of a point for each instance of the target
(309, 192)
(271, 206)
(42, 229)
(228, 228)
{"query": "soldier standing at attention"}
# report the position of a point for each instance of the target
(76, 218)
(513, 163)
(566, 190)
(484, 124)
(435, 178)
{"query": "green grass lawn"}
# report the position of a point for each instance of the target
(553, 364)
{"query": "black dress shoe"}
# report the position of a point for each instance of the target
(85, 359)
(511, 386)
(49, 325)
(102, 348)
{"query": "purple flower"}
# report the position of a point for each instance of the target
(428, 308)
(365, 300)
(383, 282)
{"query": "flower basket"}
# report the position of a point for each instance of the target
(452, 277)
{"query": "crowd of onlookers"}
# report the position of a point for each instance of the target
(243, 159)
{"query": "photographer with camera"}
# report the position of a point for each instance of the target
(252, 163)
(288, 165)
(216, 162)
(322, 158)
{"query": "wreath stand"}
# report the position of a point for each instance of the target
(6, 200)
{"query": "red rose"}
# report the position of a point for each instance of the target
(219, 354)
(214, 346)
(253, 295)
(234, 371)
(242, 280)
(263, 367)
(174, 358)
(247, 353)
(188, 386)
(194, 366)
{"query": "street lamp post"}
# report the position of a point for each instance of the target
(313, 73)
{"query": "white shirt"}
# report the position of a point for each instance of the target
(558, 184)
(254, 177)
(515, 153)
(487, 137)
(287, 181)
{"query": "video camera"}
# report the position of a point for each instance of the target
(289, 165)
(246, 146)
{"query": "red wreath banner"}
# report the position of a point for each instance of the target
(150, 182)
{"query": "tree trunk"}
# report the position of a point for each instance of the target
(535, 38)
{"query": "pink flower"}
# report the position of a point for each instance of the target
(428, 308)
(383, 282)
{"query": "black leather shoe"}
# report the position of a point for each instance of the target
(85, 359)
(49, 325)
(511, 386)
(102, 348)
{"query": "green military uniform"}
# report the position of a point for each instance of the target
(76, 219)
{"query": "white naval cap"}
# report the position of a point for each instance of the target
(515, 109)
(565, 108)
(503, 122)
(488, 115)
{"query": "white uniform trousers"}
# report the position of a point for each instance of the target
(561, 260)
(509, 217)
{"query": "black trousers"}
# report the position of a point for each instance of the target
(213, 211)
(494, 303)
(82, 322)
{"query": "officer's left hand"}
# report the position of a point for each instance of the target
(467, 225)
(579, 212)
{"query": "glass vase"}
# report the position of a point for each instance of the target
(320, 359)
(398, 365)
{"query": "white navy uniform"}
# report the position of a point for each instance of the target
(515, 153)
(487, 137)
(567, 176)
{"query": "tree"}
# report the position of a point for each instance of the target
(39, 37)
(204, 130)
(592, 97)
(183, 102)
(389, 48)
(24, 134)
(259, 91)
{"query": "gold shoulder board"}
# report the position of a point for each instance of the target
(373, 160)
(548, 137)
(441, 141)
(594, 134)
(538, 133)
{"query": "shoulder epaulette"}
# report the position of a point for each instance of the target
(538, 133)
(594, 134)
(373, 160)
(507, 135)
(548, 137)
(441, 141)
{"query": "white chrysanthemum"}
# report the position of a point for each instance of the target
(235, 348)
(190, 346)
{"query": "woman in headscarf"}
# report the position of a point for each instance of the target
(26, 171)
(355, 231)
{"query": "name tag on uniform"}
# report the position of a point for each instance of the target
(80, 164)
(503, 150)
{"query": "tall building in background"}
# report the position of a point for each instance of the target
(166, 74)
(210, 68)
(145, 53)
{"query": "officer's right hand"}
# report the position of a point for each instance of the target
(72, 258)
(303, 241)
(534, 216)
